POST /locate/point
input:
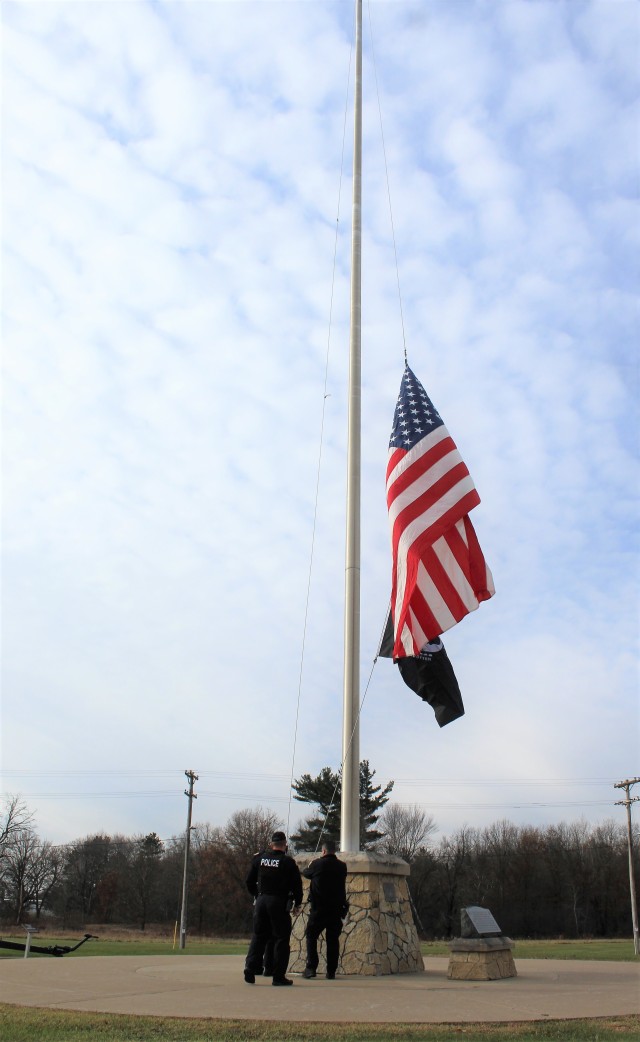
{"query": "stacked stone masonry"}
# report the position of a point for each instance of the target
(482, 959)
(379, 936)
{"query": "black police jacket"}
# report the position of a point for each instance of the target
(275, 873)
(327, 892)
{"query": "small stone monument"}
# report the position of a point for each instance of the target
(379, 936)
(482, 952)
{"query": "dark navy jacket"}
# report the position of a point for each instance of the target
(327, 892)
(276, 874)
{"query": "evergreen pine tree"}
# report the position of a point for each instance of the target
(325, 791)
(372, 800)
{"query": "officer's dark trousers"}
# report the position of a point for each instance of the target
(270, 919)
(331, 923)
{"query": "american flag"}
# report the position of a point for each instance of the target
(439, 572)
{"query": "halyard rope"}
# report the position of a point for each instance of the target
(324, 407)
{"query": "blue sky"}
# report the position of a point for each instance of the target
(171, 192)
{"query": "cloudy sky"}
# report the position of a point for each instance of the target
(176, 186)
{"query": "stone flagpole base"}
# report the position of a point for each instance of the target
(379, 936)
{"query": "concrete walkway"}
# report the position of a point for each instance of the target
(213, 986)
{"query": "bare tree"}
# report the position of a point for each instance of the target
(250, 830)
(405, 830)
(15, 817)
(18, 856)
(16, 834)
(44, 873)
(246, 832)
(454, 856)
(143, 874)
(31, 869)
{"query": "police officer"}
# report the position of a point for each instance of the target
(272, 877)
(328, 898)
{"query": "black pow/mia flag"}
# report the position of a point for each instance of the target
(430, 674)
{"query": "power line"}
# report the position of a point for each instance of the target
(136, 773)
(263, 798)
(152, 794)
(508, 806)
(281, 782)
(254, 776)
(501, 781)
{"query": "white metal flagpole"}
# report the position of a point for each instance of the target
(350, 820)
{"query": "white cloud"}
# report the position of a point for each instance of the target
(170, 193)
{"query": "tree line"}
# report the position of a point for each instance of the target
(566, 880)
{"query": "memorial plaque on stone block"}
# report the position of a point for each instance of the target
(478, 922)
(389, 892)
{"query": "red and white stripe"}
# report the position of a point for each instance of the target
(439, 571)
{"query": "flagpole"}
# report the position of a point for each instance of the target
(350, 818)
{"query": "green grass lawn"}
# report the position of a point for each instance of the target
(23, 1024)
(129, 946)
(610, 951)
(37, 1025)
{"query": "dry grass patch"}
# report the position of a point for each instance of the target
(18, 1024)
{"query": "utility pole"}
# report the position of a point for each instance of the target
(629, 799)
(191, 796)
